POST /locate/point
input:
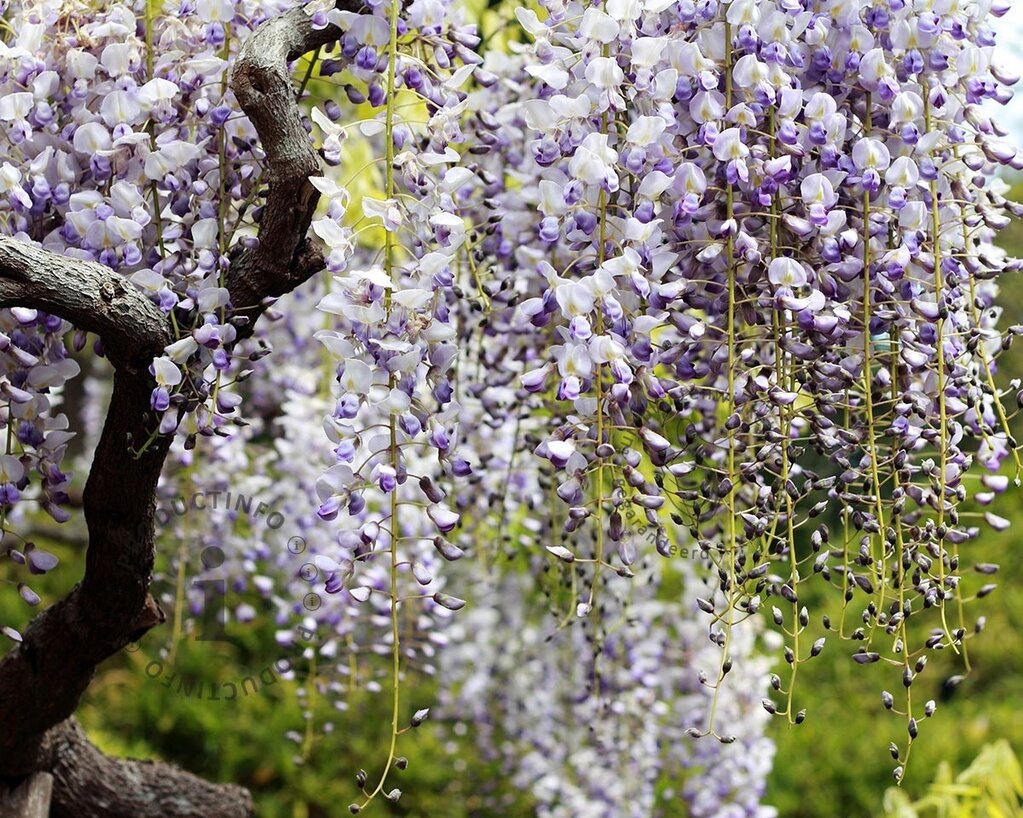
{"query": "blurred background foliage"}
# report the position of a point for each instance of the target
(835, 764)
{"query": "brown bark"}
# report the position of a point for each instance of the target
(261, 82)
(90, 784)
(43, 678)
(30, 799)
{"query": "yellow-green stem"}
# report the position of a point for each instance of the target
(940, 361)
(729, 498)
(868, 381)
(389, 266)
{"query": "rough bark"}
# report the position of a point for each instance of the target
(261, 81)
(89, 295)
(43, 678)
(30, 799)
(90, 784)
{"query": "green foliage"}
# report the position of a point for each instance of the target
(991, 787)
(260, 740)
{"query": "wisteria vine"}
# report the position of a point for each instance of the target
(606, 279)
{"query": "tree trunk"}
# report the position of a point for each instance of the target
(29, 799)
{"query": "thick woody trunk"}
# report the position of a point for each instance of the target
(43, 678)
(30, 799)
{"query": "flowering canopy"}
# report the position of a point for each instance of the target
(717, 273)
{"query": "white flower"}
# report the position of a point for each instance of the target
(337, 238)
(112, 232)
(220, 11)
(357, 377)
(645, 130)
(91, 138)
(599, 26)
(81, 64)
(819, 107)
(551, 73)
(574, 299)
(171, 156)
(166, 371)
(604, 73)
(728, 145)
(626, 264)
(11, 469)
(874, 69)
(749, 71)
(870, 154)
(413, 299)
(972, 61)
(204, 232)
(906, 107)
(743, 12)
(604, 348)
(646, 51)
(386, 210)
(707, 106)
(395, 402)
(212, 298)
(10, 183)
(817, 189)
(120, 106)
(333, 135)
(913, 216)
(335, 342)
(117, 58)
(374, 275)
(368, 29)
(902, 173)
(156, 91)
(552, 198)
(593, 162)
(454, 179)
(693, 178)
(574, 359)
(786, 272)
(529, 21)
(16, 106)
(180, 351)
(654, 184)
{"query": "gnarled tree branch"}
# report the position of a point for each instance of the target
(261, 80)
(89, 784)
(43, 679)
(89, 295)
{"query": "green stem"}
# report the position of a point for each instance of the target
(389, 267)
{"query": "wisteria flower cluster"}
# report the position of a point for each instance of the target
(125, 146)
(743, 266)
(606, 737)
(324, 587)
(121, 145)
(658, 273)
(34, 363)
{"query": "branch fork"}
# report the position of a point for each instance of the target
(43, 678)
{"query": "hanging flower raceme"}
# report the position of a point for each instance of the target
(669, 274)
(742, 272)
(125, 146)
(599, 729)
(395, 426)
